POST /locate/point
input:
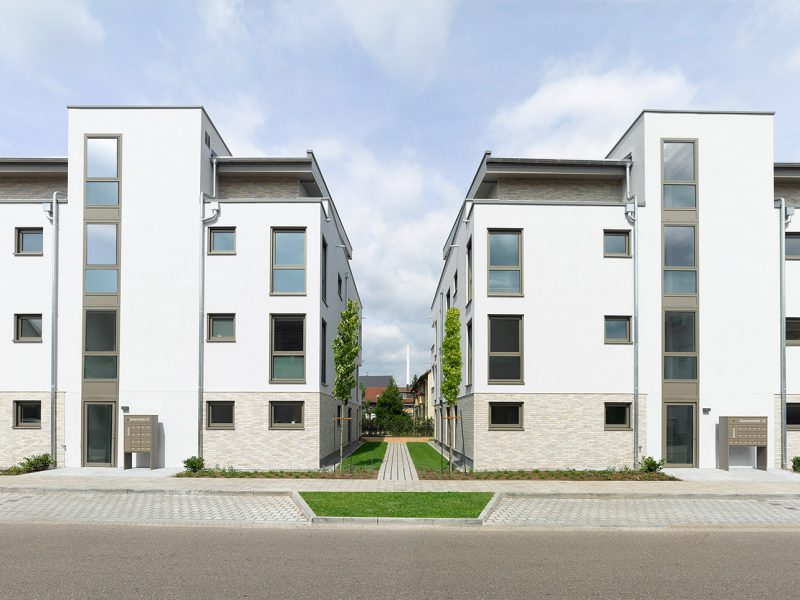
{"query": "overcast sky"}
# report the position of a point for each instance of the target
(399, 99)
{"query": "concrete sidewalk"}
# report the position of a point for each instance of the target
(161, 481)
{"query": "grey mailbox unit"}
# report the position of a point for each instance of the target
(743, 432)
(141, 435)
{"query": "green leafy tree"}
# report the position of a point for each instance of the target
(451, 368)
(345, 352)
(389, 406)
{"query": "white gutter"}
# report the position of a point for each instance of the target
(785, 216)
(53, 217)
(202, 298)
(632, 214)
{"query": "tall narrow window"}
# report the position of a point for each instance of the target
(28, 241)
(289, 261)
(324, 261)
(323, 352)
(680, 269)
(100, 345)
(505, 272)
(102, 171)
(469, 271)
(505, 349)
(469, 353)
(27, 328)
(102, 274)
(455, 285)
(680, 345)
(288, 360)
(339, 285)
(680, 181)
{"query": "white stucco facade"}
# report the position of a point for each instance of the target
(165, 163)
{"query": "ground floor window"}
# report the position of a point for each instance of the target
(505, 415)
(28, 414)
(286, 415)
(793, 415)
(617, 415)
(220, 415)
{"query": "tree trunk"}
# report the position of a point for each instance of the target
(450, 442)
(341, 441)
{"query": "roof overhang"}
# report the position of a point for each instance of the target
(787, 172)
(39, 167)
(296, 167)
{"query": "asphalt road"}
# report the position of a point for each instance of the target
(91, 561)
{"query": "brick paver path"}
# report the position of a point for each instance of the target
(397, 464)
(644, 512)
(150, 509)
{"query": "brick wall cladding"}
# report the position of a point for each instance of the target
(552, 190)
(790, 191)
(792, 436)
(15, 444)
(252, 444)
(31, 188)
(561, 431)
(258, 187)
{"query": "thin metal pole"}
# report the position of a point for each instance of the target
(781, 203)
(635, 233)
(54, 336)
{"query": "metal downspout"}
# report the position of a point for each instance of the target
(201, 301)
(635, 222)
(54, 332)
(784, 218)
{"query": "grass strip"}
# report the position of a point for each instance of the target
(369, 455)
(426, 458)
(440, 505)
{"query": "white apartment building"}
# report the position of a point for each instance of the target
(590, 342)
(192, 285)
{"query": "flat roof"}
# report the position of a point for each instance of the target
(55, 165)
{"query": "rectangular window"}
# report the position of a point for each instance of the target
(505, 271)
(617, 330)
(288, 349)
(101, 244)
(616, 243)
(27, 328)
(29, 241)
(680, 274)
(219, 415)
(793, 246)
(455, 285)
(680, 345)
(100, 345)
(469, 353)
(679, 175)
(324, 261)
(289, 261)
(102, 171)
(27, 414)
(222, 328)
(505, 349)
(323, 352)
(101, 281)
(222, 240)
(505, 415)
(792, 331)
(447, 296)
(793, 415)
(339, 285)
(469, 271)
(617, 415)
(286, 415)
(339, 416)
(207, 140)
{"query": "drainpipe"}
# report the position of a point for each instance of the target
(785, 217)
(439, 370)
(202, 298)
(53, 217)
(632, 214)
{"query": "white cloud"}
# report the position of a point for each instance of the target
(581, 115)
(34, 34)
(223, 18)
(240, 120)
(794, 59)
(406, 38)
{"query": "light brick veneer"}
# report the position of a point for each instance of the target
(792, 436)
(15, 444)
(560, 431)
(252, 444)
(258, 187)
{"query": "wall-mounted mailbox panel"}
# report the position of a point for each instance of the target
(140, 435)
(736, 432)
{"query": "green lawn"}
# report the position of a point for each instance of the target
(443, 505)
(426, 458)
(368, 455)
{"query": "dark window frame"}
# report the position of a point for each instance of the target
(291, 426)
(210, 328)
(615, 427)
(793, 426)
(211, 232)
(210, 424)
(18, 406)
(618, 232)
(273, 353)
(520, 352)
(518, 267)
(519, 426)
(20, 233)
(614, 341)
(18, 337)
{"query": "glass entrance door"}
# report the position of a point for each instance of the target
(99, 434)
(680, 435)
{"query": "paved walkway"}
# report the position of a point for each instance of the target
(397, 464)
(644, 512)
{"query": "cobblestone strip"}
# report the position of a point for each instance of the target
(397, 464)
(150, 509)
(643, 512)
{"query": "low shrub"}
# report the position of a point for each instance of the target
(651, 465)
(37, 462)
(194, 464)
(397, 425)
(796, 464)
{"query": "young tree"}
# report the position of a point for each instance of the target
(451, 368)
(345, 352)
(389, 404)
